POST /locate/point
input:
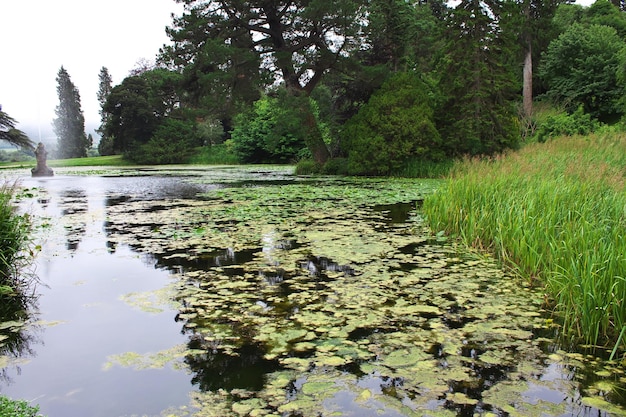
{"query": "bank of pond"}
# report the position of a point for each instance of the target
(250, 291)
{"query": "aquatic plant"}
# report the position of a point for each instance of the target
(333, 296)
(17, 408)
(556, 214)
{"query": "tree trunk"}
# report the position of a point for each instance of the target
(528, 82)
(310, 130)
(313, 137)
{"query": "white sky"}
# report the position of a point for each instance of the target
(40, 36)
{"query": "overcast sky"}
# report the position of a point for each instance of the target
(40, 36)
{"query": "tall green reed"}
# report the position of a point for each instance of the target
(556, 214)
(14, 229)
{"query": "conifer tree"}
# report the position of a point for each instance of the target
(69, 124)
(105, 147)
(10, 134)
(478, 88)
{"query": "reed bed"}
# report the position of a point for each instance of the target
(14, 230)
(556, 214)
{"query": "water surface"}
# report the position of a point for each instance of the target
(249, 291)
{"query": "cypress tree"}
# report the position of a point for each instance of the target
(105, 147)
(69, 125)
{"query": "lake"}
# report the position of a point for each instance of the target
(249, 291)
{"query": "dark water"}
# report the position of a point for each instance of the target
(100, 298)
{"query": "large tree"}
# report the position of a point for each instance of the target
(477, 116)
(138, 106)
(69, 125)
(295, 41)
(532, 20)
(10, 134)
(104, 89)
(580, 68)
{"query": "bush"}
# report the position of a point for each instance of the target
(335, 166)
(563, 124)
(272, 132)
(16, 408)
(172, 143)
(396, 124)
(307, 167)
(221, 154)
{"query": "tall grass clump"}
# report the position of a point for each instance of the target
(14, 229)
(556, 214)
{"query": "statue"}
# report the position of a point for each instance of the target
(41, 170)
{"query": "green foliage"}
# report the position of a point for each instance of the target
(173, 142)
(69, 125)
(396, 124)
(137, 107)
(553, 212)
(211, 131)
(14, 156)
(477, 116)
(221, 154)
(564, 124)
(603, 12)
(17, 408)
(307, 167)
(10, 134)
(14, 229)
(272, 132)
(580, 68)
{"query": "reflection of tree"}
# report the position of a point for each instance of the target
(74, 202)
(16, 309)
(245, 368)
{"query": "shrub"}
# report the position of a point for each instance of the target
(335, 166)
(172, 143)
(563, 124)
(271, 132)
(307, 167)
(396, 124)
(17, 408)
(221, 154)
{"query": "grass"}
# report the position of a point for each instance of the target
(556, 214)
(14, 229)
(214, 155)
(109, 160)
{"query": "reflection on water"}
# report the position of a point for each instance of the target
(274, 301)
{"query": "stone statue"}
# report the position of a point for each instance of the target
(41, 170)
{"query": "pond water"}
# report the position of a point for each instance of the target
(252, 292)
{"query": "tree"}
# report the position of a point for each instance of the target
(138, 106)
(580, 68)
(10, 134)
(395, 125)
(477, 116)
(604, 12)
(532, 20)
(132, 120)
(69, 125)
(296, 41)
(106, 85)
(271, 132)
